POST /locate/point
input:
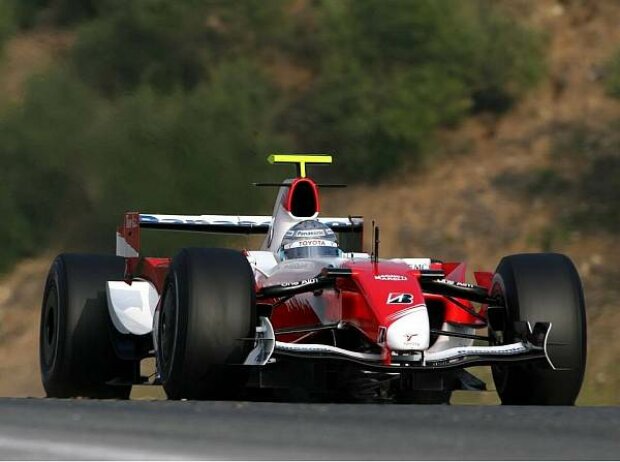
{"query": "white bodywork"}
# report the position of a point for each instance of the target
(409, 330)
(265, 345)
(262, 262)
(215, 220)
(132, 306)
(123, 249)
(282, 221)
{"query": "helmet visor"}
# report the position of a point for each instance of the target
(311, 252)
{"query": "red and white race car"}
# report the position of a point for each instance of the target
(308, 314)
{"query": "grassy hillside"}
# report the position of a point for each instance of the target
(514, 149)
(163, 105)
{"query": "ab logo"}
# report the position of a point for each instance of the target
(399, 298)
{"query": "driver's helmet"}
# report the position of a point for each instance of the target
(309, 239)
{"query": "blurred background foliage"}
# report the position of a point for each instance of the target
(7, 21)
(170, 106)
(583, 181)
(613, 75)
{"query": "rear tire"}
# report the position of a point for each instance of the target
(206, 324)
(76, 354)
(542, 288)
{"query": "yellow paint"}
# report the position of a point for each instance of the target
(300, 159)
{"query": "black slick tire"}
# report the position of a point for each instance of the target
(206, 322)
(542, 287)
(76, 353)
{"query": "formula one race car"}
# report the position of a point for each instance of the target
(308, 315)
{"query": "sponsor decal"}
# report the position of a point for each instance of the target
(308, 233)
(202, 220)
(399, 298)
(410, 341)
(456, 283)
(311, 243)
(390, 277)
(239, 220)
(299, 283)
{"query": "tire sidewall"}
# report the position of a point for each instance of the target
(50, 370)
(501, 373)
(542, 288)
(170, 361)
(200, 361)
(84, 359)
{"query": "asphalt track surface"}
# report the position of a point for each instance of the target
(83, 429)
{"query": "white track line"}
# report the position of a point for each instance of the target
(44, 449)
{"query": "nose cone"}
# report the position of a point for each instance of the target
(410, 331)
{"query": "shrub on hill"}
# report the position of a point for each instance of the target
(78, 161)
(612, 78)
(388, 77)
(7, 22)
(173, 105)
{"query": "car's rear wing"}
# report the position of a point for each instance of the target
(128, 234)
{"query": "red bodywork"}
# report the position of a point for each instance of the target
(359, 301)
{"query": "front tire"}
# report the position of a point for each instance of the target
(76, 354)
(206, 324)
(542, 288)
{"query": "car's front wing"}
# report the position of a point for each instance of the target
(532, 347)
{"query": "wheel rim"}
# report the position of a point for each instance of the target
(168, 328)
(50, 327)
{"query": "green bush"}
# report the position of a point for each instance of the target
(78, 161)
(167, 44)
(388, 77)
(589, 157)
(583, 182)
(25, 12)
(158, 43)
(506, 58)
(600, 190)
(32, 13)
(7, 21)
(168, 105)
(612, 80)
(42, 142)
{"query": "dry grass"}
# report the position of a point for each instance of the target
(20, 297)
